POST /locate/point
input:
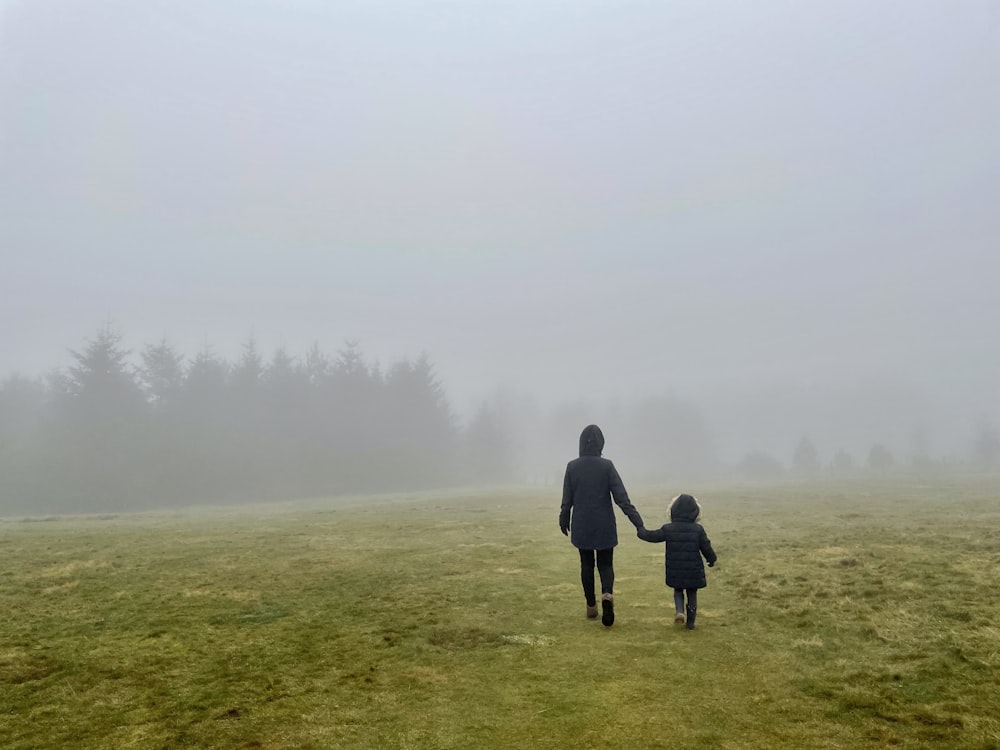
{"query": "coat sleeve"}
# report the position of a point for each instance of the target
(652, 535)
(621, 497)
(567, 501)
(706, 547)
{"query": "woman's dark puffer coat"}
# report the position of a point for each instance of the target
(686, 542)
(589, 485)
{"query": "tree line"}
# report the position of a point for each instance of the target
(115, 432)
(123, 430)
(118, 430)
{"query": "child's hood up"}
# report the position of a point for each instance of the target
(685, 508)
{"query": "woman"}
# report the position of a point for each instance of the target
(590, 484)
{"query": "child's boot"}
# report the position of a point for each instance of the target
(592, 611)
(691, 612)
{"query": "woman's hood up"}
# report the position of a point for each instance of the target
(591, 441)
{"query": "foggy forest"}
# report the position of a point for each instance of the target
(120, 432)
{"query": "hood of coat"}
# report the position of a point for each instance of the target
(591, 441)
(685, 508)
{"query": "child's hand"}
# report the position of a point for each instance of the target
(711, 565)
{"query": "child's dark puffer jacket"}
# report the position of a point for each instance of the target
(686, 541)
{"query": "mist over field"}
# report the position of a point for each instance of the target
(746, 240)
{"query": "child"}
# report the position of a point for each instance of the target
(686, 543)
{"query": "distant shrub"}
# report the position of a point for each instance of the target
(760, 465)
(880, 459)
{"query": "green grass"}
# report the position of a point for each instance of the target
(840, 616)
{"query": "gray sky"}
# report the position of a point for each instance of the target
(714, 200)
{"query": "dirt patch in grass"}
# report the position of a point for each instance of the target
(464, 638)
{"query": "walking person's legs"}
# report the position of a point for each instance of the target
(587, 579)
(606, 569)
(692, 607)
(679, 606)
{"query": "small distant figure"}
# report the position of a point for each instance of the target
(686, 541)
(590, 484)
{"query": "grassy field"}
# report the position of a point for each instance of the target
(840, 616)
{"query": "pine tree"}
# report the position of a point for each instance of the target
(102, 386)
(420, 426)
(487, 448)
(247, 372)
(96, 441)
(317, 366)
(805, 459)
(880, 459)
(162, 373)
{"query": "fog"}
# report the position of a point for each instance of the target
(779, 217)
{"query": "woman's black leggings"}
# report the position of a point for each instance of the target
(605, 567)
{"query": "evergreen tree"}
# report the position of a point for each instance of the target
(102, 385)
(421, 435)
(880, 459)
(162, 373)
(247, 371)
(843, 462)
(283, 378)
(986, 447)
(486, 448)
(96, 439)
(206, 379)
(286, 399)
(317, 425)
(355, 422)
(759, 465)
(317, 366)
(805, 459)
(205, 408)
